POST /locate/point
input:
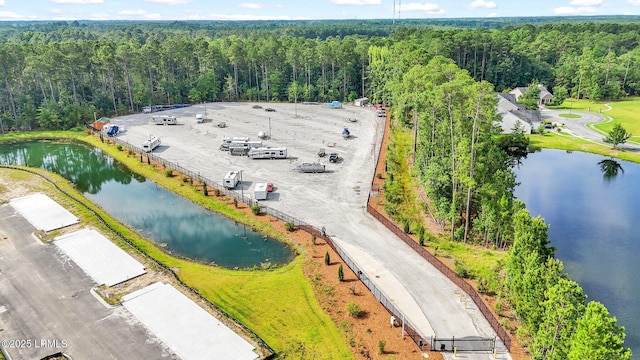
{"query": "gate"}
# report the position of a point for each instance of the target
(471, 343)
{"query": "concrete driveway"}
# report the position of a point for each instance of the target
(335, 199)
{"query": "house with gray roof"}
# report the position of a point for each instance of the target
(544, 98)
(512, 114)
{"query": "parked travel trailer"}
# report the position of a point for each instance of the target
(231, 179)
(260, 192)
(151, 144)
(199, 118)
(246, 145)
(228, 140)
(164, 120)
(268, 153)
(311, 167)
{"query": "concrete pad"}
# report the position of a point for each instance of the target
(101, 259)
(42, 212)
(190, 331)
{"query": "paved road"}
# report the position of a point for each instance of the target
(581, 127)
(335, 200)
(46, 304)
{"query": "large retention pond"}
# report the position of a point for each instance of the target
(592, 204)
(177, 224)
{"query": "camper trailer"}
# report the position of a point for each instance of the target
(231, 179)
(199, 118)
(228, 140)
(245, 145)
(151, 144)
(267, 153)
(164, 120)
(260, 192)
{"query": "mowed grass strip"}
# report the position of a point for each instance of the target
(552, 140)
(277, 304)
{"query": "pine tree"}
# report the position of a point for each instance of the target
(597, 336)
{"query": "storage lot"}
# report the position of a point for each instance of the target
(335, 199)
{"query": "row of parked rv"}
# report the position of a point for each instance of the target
(253, 149)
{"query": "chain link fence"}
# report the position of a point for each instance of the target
(408, 328)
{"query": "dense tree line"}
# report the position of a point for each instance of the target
(57, 75)
(552, 309)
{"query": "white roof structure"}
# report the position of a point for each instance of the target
(101, 259)
(42, 212)
(190, 331)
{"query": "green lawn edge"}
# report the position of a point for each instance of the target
(277, 304)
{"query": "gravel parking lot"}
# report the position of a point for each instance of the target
(335, 199)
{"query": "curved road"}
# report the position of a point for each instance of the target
(582, 127)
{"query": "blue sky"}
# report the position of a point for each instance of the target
(302, 10)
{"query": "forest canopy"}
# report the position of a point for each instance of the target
(56, 75)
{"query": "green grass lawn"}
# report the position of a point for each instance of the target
(625, 112)
(277, 304)
(570, 116)
(552, 140)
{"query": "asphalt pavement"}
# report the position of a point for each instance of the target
(46, 305)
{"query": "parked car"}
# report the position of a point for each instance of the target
(270, 110)
(257, 107)
(269, 187)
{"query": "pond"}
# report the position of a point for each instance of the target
(178, 225)
(591, 203)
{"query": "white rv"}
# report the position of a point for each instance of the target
(231, 179)
(260, 192)
(151, 144)
(199, 118)
(246, 145)
(268, 153)
(228, 140)
(164, 120)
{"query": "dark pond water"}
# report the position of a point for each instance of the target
(591, 203)
(182, 227)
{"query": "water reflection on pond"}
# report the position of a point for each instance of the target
(591, 203)
(176, 223)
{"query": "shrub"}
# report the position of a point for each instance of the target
(340, 273)
(379, 175)
(186, 179)
(235, 202)
(313, 239)
(289, 226)
(407, 227)
(327, 258)
(204, 189)
(421, 238)
(498, 307)
(483, 285)
(119, 147)
(460, 270)
(353, 309)
(381, 345)
(216, 192)
(255, 209)
(352, 289)
(168, 173)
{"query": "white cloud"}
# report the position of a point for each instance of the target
(9, 15)
(586, 3)
(250, 6)
(78, 2)
(482, 4)
(357, 2)
(492, 15)
(431, 9)
(1, 2)
(169, 2)
(569, 10)
(633, 2)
